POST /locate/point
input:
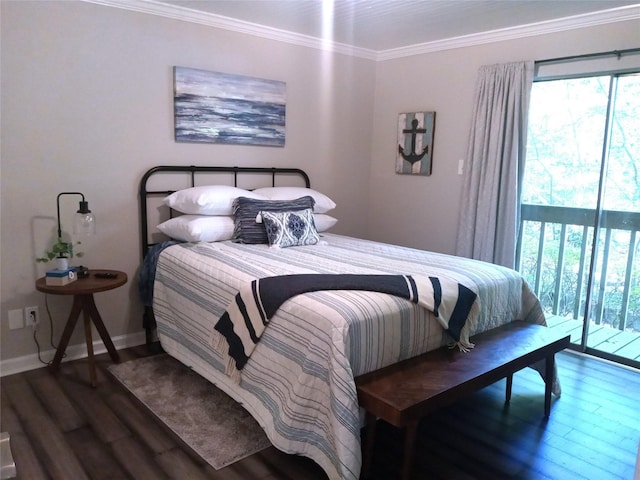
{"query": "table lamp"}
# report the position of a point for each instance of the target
(84, 221)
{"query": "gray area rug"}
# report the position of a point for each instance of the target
(205, 418)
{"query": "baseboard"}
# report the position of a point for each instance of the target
(73, 352)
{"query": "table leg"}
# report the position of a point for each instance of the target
(66, 334)
(87, 336)
(90, 305)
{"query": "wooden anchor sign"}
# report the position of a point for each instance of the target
(415, 143)
(413, 157)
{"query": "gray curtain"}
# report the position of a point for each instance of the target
(489, 219)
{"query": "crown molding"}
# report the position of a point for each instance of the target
(631, 12)
(152, 7)
(218, 21)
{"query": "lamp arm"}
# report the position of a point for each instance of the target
(58, 208)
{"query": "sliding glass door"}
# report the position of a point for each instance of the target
(579, 245)
(615, 293)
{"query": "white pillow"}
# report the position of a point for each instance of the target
(323, 203)
(208, 199)
(323, 221)
(199, 228)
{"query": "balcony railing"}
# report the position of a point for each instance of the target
(555, 258)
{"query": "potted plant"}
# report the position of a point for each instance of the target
(61, 251)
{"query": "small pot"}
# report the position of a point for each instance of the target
(61, 263)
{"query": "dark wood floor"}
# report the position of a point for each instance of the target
(63, 429)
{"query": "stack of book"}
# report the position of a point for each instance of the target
(60, 278)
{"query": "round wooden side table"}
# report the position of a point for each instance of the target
(82, 290)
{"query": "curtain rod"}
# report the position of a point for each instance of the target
(617, 53)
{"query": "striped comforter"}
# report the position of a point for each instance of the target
(298, 383)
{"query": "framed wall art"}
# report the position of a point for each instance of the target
(415, 142)
(213, 107)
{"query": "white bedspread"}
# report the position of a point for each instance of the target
(299, 383)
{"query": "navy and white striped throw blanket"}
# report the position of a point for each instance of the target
(247, 316)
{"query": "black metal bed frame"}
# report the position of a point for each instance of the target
(192, 171)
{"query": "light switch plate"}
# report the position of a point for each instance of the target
(16, 319)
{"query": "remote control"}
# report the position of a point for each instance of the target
(106, 275)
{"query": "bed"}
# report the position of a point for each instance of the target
(299, 380)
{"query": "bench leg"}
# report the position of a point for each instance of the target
(370, 438)
(409, 446)
(548, 383)
(509, 388)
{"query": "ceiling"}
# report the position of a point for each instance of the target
(383, 25)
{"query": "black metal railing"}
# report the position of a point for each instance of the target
(554, 255)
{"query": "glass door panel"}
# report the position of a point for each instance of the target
(567, 122)
(614, 325)
(580, 226)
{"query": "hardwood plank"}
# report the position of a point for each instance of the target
(99, 462)
(28, 464)
(82, 370)
(227, 473)
(57, 403)
(48, 441)
(279, 465)
(177, 464)
(152, 434)
(136, 460)
(90, 402)
(506, 446)
(254, 466)
(9, 421)
(592, 431)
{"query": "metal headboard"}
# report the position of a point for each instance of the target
(192, 171)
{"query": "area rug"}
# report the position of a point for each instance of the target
(209, 421)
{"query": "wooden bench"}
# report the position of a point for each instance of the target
(403, 393)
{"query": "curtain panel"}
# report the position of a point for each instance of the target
(489, 220)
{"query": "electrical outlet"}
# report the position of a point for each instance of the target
(32, 316)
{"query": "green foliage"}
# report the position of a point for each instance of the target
(60, 249)
(567, 122)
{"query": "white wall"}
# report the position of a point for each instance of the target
(86, 96)
(421, 211)
(87, 106)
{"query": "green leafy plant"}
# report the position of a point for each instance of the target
(60, 249)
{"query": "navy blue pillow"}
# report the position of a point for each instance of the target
(245, 211)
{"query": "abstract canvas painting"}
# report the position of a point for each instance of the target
(213, 107)
(415, 142)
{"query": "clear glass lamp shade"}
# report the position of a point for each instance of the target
(84, 224)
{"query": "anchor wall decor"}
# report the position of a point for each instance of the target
(415, 142)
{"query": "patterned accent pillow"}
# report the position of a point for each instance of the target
(289, 229)
(245, 211)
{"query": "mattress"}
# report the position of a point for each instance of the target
(299, 381)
